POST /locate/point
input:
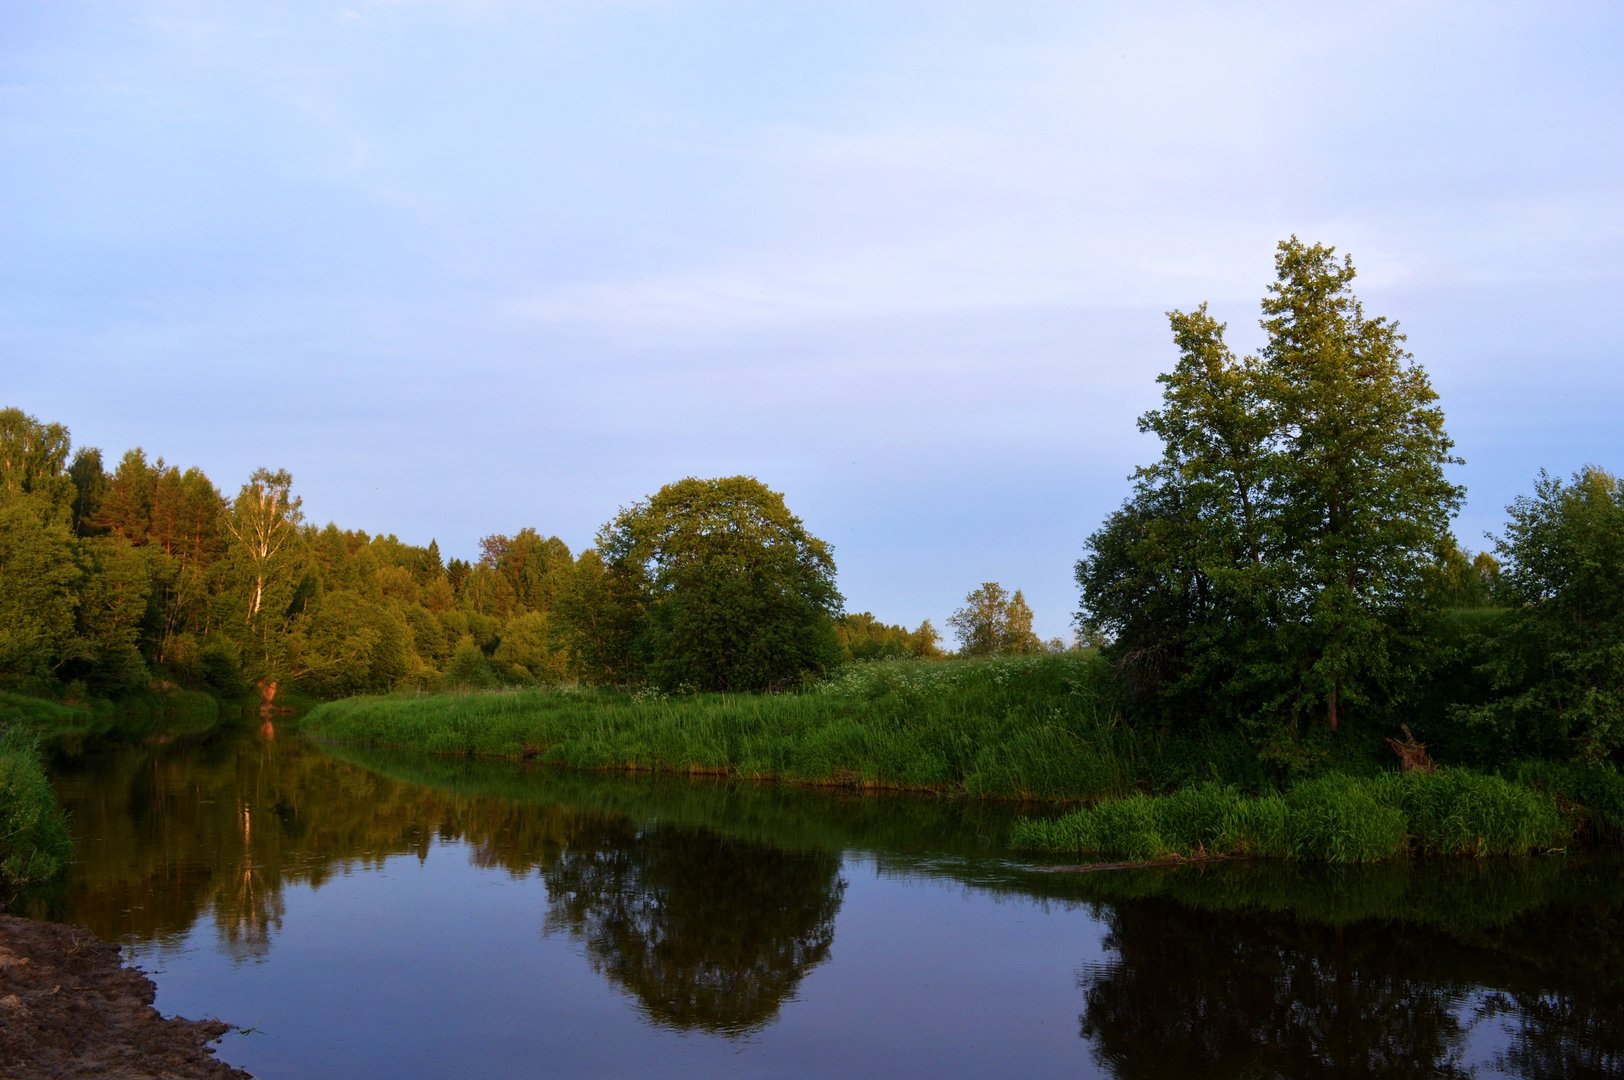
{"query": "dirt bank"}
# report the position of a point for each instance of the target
(68, 1008)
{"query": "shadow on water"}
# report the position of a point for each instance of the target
(709, 902)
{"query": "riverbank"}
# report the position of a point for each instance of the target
(1036, 728)
(1039, 729)
(68, 1007)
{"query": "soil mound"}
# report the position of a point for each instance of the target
(69, 1008)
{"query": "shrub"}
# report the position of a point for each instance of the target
(1337, 819)
(34, 841)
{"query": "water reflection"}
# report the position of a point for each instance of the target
(707, 932)
(1270, 999)
(1220, 986)
(709, 904)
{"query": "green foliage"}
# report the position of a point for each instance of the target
(1596, 791)
(1192, 822)
(38, 583)
(470, 668)
(113, 605)
(25, 713)
(1037, 727)
(719, 587)
(1559, 670)
(1337, 819)
(1333, 818)
(994, 623)
(1460, 579)
(34, 464)
(34, 842)
(1458, 812)
(863, 637)
(1273, 565)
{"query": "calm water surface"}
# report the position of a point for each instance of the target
(375, 915)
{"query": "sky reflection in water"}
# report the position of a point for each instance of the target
(501, 922)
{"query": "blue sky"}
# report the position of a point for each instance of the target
(464, 267)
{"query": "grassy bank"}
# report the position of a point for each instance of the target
(1333, 818)
(1038, 728)
(1034, 727)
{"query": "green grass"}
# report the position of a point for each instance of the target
(1193, 822)
(1594, 792)
(34, 842)
(45, 717)
(1458, 812)
(1027, 728)
(1331, 819)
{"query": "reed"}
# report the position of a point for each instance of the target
(1020, 727)
(1327, 819)
(1594, 790)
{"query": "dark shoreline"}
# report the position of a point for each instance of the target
(70, 1007)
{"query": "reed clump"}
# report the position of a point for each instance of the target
(1333, 818)
(1592, 793)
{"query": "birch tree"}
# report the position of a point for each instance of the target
(263, 519)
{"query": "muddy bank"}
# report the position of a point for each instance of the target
(68, 1008)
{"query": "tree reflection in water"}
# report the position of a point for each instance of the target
(247, 909)
(1265, 997)
(1556, 1036)
(1226, 992)
(708, 932)
(709, 904)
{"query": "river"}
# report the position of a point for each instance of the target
(366, 914)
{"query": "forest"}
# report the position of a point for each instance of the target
(114, 582)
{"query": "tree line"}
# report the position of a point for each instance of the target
(1287, 563)
(112, 581)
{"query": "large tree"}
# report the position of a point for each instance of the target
(723, 588)
(1273, 563)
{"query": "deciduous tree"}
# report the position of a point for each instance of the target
(726, 588)
(1560, 668)
(263, 519)
(993, 622)
(1273, 563)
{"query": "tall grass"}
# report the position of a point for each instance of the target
(34, 842)
(1028, 727)
(1595, 791)
(1332, 819)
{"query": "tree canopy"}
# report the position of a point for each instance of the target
(1559, 667)
(1272, 564)
(720, 587)
(993, 622)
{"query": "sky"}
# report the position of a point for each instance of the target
(468, 266)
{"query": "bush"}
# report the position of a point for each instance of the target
(34, 841)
